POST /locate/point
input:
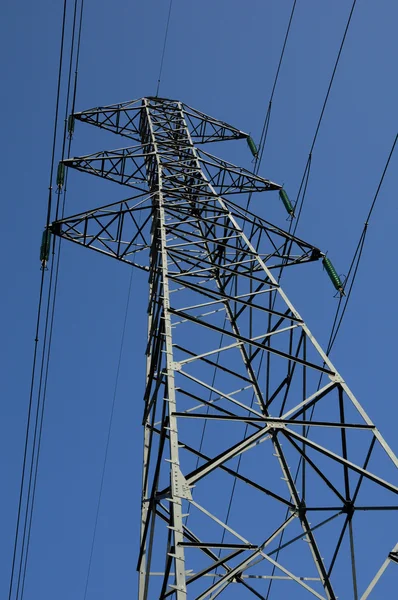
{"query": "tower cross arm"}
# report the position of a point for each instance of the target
(124, 119)
(205, 129)
(228, 178)
(120, 230)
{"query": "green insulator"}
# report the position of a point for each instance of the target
(252, 146)
(45, 245)
(71, 124)
(286, 202)
(331, 271)
(60, 174)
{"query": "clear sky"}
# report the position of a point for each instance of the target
(221, 58)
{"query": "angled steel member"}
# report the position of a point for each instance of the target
(238, 393)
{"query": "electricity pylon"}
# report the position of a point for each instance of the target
(258, 459)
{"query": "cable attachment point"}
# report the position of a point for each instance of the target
(60, 177)
(287, 203)
(252, 146)
(334, 278)
(45, 247)
(71, 126)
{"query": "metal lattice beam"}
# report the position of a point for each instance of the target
(124, 119)
(239, 396)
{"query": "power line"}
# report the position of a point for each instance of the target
(257, 164)
(48, 331)
(358, 252)
(264, 132)
(79, 37)
(35, 453)
(338, 321)
(28, 426)
(164, 47)
(302, 192)
(52, 295)
(39, 308)
(109, 434)
(308, 164)
(306, 175)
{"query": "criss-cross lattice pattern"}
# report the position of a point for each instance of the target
(240, 400)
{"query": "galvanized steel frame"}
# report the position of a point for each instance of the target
(210, 266)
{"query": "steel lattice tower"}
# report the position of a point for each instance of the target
(239, 396)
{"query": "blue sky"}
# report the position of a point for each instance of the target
(221, 58)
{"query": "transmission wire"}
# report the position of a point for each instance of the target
(258, 160)
(164, 47)
(264, 133)
(58, 254)
(361, 243)
(335, 328)
(109, 434)
(79, 37)
(300, 204)
(38, 320)
(343, 300)
(44, 370)
(305, 178)
(306, 174)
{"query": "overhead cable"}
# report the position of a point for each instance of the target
(54, 274)
(306, 175)
(357, 256)
(264, 132)
(22, 518)
(48, 329)
(299, 203)
(342, 306)
(257, 164)
(164, 47)
(110, 423)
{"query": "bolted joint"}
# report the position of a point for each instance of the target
(316, 254)
(349, 508)
(302, 509)
(55, 228)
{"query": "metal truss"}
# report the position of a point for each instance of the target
(124, 119)
(259, 462)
